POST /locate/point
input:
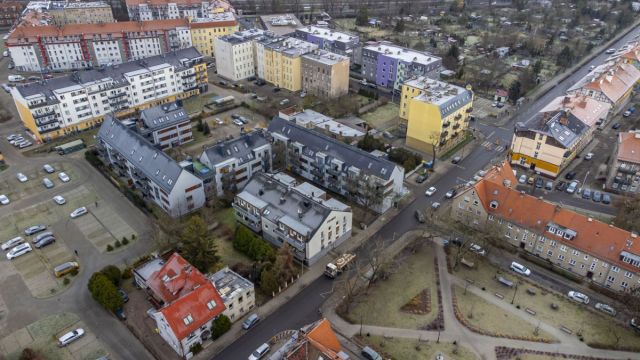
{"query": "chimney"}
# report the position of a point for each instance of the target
(590, 219)
(300, 213)
(564, 118)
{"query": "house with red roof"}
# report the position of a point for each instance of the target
(314, 341)
(187, 302)
(626, 163)
(604, 254)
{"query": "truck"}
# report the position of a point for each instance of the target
(222, 101)
(336, 267)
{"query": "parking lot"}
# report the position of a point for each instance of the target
(16, 190)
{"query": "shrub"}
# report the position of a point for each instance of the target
(195, 348)
(127, 273)
(125, 241)
(109, 247)
(220, 325)
(66, 281)
(133, 236)
(112, 273)
(92, 158)
(117, 244)
(250, 244)
(74, 272)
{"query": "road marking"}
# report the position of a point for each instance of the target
(490, 135)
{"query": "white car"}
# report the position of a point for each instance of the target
(70, 337)
(78, 212)
(430, 191)
(435, 205)
(18, 251)
(610, 51)
(59, 200)
(578, 297)
(520, 269)
(22, 177)
(589, 156)
(4, 200)
(260, 352)
(477, 249)
(63, 177)
(607, 309)
(11, 243)
(522, 179)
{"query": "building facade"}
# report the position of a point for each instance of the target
(389, 66)
(142, 10)
(371, 181)
(624, 173)
(235, 161)
(298, 214)
(204, 31)
(602, 253)
(237, 293)
(235, 54)
(325, 74)
(437, 113)
(155, 174)
(337, 42)
(79, 46)
(283, 62)
(65, 13)
(53, 108)
(10, 12)
(165, 126)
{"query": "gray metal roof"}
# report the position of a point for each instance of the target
(229, 283)
(315, 142)
(240, 148)
(563, 126)
(114, 72)
(152, 162)
(164, 115)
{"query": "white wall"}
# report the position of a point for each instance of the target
(340, 218)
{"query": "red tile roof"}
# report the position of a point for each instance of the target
(185, 292)
(629, 147)
(593, 237)
(324, 339)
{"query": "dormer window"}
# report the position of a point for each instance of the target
(493, 204)
(211, 304)
(552, 229)
(188, 319)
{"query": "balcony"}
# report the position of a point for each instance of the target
(115, 96)
(36, 104)
(317, 172)
(188, 75)
(446, 124)
(46, 129)
(119, 102)
(41, 115)
(444, 134)
(456, 126)
(469, 110)
(46, 120)
(334, 171)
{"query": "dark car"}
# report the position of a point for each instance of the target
(561, 186)
(260, 82)
(570, 175)
(616, 126)
(451, 193)
(421, 178)
(45, 241)
(123, 295)
(420, 216)
(606, 199)
(539, 183)
(276, 89)
(120, 314)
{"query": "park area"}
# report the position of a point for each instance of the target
(402, 349)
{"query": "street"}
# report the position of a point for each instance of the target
(303, 307)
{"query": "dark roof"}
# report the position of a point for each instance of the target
(164, 115)
(240, 148)
(316, 142)
(563, 126)
(115, 72)
(156, 165)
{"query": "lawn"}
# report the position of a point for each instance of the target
(483, 315)
(196, 104)
(412, 274)
(382, 117)
(88, 136)
(402, 349)
(595, 328)
(227, 217)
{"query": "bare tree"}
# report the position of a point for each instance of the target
(631, 300)
(433, 138)
(349, 283)
(375, 262)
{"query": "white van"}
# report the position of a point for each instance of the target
(70, 337)
(520, 269)
(18, 251)
(260, 352)
(15, 78)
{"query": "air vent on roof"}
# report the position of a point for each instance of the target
(493, 204)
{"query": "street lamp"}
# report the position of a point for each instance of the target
(514, 294)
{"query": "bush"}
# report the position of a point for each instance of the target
(133, 236)
(109, 247)
(127, 273)
(253, 246)
(117, 244)
(92, 158)
(409, 160)
(30, 354)
(112, 273)
(105, 292)
(220, 325)
(66, 281)
(125, 241)
(195, 348)
(74, 272)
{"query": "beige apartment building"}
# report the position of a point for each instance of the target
(65, 13)
(602, 253)
(325, 74)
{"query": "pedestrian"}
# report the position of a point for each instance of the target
(76, 252)
(96, 203)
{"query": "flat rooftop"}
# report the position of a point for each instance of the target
(215, 17)
(229, 283)
(292, 47)
(280, 24)
(328, 34)
(438, 92)
(402, 53)
(326, 57)
(239, 37)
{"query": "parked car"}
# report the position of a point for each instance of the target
(572, 187)
(520, 269)
(635, 323)
(578, 297)
(522, 179)
(237, 122)
(4, 200)
(18, 251)
(475, 248)
(606, 199)
(78, 212)
(22, 177)
(370, 354)
(610, 51)
(607, 309)
(531, 180)
(120, 314)
(539, 183)
(626, 113)
(219, 121)
(589, 156)
(586, 194)
(435, 205)
(123, 294)
(456, 159)
(303, 94)
(420, 216)
(276, 89)
(561, 186)
(430, 191)
(47, 183)
(421, 178)
(451, 193)
(63, 177)
(34, 229)
(11, 243)
(48, 169)
(597, 196)
(25, 144)
(260, 352)
(70, 337)
(42, 236)
(44, 242)
(235, 116)
(616, 126)
(250, 322)
(548, 185)
(570, 175)
(59, 200)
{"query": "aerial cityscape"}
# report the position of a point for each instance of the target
(320, 179)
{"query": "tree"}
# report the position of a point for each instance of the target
(628, 214)
(369, 143)
(420, 46)
(433, 138)
(284, 263)
(112, 273)
(399, 26)
(198, 245)
(279, 151)
(514, 91)
(631, 300)
(220, 325)
(105, 292)
(205, 129)
(537, 67)
(521, 4)
(253, 246)
(450, 60)
(565, 57)
(269, 280)
(30, 354)
(375, 261)
(433, 43)
(362, 18)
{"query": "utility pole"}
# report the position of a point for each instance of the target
(514, 294)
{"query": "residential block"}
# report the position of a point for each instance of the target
(325, 74)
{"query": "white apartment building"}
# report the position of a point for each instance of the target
(53, 108)
(237, 293)
(149, 169)
(235, 161)
(235, 54)
(299, 214)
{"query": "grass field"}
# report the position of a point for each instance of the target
(382, 117)
(403, 349)
(88, 136)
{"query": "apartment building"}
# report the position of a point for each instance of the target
(79, 46)
(237, 293)
(67, 104)
(235, 161)
(325, 74)
(10, 12)
(624, 173)
(602, 253)
(65, 13)
(337, 42)
(188, 303)
(311, 119)
(371, 181)
(283, 62)
(144, 166)
(235, 54)
(204, 31)
(388, 65)
(436, 113)
(142, 10)
(611, 82)
(165, 126)
(298, 214)
(551, 139)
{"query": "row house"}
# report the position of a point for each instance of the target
(142, 10)
(63, 105)
(166, 125)
(10, 12)
(602, 253)
(147, 168)
(337, 42)
(325, 74)
(235, 54)
(80, 46)
(92, 12)
(283, 62)
(314, 341)
(371, 181)
(550, 140)
(299, 214)
(235, 161)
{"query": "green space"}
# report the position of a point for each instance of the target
(383, 116)
(88, 136)
(196, 104)
(401, 349)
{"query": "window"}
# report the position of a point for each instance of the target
(624, 285)
(592, 267)
(549, 253)
(563, 248)
(561, 257)
(490, 217)
(188, 320)
(572, 262)
(611, 278)
(628, 274)
(615, 269)
(211, 304)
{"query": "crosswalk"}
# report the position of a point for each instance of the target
(491, 146)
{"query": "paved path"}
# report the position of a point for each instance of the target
(483, 346)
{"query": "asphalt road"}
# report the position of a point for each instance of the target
(302, 308)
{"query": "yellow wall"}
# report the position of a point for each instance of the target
(408, 93)
(541, 166)
(283, 71)
(203, 39)
(340, 78)
(423, 125)
(27, 118)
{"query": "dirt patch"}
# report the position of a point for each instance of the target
(402, 349)
(506, 353)
(419, 304)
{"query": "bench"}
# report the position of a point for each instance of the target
(566, 329)
(505, 282)
(499, 296)
(530, 312)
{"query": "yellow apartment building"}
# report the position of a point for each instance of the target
(283, 62)
(204, 31)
